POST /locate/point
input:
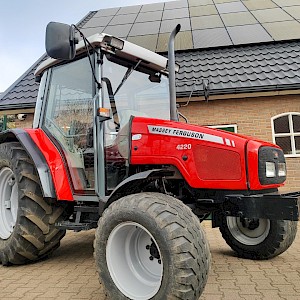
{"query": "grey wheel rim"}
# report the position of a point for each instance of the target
(244, 234)
(8, 202)
(134, 261)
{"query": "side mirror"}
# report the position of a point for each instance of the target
(60, 41)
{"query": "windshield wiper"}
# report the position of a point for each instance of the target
(127, 74)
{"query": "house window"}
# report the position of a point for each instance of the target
(286, 133)
(230, 128)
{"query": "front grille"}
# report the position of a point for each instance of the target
(273, 155)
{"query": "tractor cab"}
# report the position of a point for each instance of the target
(88, 103)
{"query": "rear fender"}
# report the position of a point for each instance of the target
(19, 135)
(134, 184)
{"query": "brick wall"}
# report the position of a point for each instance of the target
(252, 117)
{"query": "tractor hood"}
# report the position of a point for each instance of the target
(206, 157)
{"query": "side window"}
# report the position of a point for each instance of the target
(230, 128)
(286, 132)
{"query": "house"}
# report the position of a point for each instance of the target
(246, 52)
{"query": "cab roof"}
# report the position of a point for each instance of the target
(129, 51)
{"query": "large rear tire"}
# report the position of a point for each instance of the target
(258, 238)
(151, 246)
(27, 231)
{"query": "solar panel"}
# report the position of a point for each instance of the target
(149, 16)
(240, 18)
(123, 19)
(129, 10)
(169, 25)
(206, 22)
(203, 10)
(284, 3)
(144, 28)
(248, 34)
(183, 41)
(211, 38)
(176, 4)
(196, 2)
(293, 11)
(107, 12)
(103, 21)
(91, 31)
(146, 41)
(178, 13)
(118, 30)
(152, 7)
(231, 7)
(271, 15)
(259, 4)
(283, 30)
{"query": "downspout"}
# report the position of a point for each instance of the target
(171, 68)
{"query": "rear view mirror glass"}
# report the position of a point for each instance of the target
(60, 41)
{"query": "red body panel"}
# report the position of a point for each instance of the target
(212, 159)
(55, 163)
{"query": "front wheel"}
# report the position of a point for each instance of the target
(151, 246)
(258, 238)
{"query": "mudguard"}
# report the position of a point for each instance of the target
(20, 135)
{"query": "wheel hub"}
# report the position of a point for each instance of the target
(134, 261)
(248, 231)
(154, 253)
(251, 224)
(8, 202)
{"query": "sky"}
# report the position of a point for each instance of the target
(23, 24)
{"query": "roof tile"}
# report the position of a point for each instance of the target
(229, 69)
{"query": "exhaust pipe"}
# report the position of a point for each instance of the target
(171, 67)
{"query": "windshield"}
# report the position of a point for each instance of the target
(130, 92)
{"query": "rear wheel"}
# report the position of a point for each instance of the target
(151, 246)
(258, 238)
(27, 231)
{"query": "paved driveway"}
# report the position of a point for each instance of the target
(70, 274)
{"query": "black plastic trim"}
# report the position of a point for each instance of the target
(273, 207)
(133, 184)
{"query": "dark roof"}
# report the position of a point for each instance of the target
(23, 92)
(206, 25)
(262, 67)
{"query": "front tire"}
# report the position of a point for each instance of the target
(151, 246)
(27, 220)
(258, 238)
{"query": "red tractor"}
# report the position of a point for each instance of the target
(107, 151)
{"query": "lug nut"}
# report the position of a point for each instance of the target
(159, 261)
(151, 258)
(147, 247)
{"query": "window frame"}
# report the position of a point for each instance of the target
(291, 134)
(225, 126)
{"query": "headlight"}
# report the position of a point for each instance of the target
(270, 169)
(281, 169)
(271, 165)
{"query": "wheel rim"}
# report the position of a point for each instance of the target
(242, 230)
(134, 261)
(8, 202)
